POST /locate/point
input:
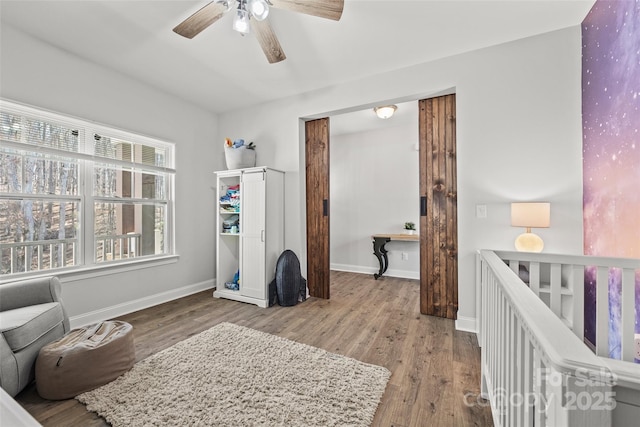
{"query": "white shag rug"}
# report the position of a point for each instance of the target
(231, 375)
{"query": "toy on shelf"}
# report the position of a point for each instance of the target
(234, 285)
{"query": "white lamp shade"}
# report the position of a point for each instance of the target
(531, 214)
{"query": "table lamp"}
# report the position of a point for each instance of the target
(530, 215)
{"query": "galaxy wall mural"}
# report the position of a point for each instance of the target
(611, 146)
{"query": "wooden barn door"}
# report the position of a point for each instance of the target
(317, 181)
(438, 206)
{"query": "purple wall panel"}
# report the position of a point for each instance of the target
(611, 147)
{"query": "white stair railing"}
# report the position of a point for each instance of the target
(535, 371)
(559, 281)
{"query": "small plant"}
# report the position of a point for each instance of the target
(409, 226)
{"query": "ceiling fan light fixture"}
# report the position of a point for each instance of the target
(259, 9)
(241, 21)
(385, 111)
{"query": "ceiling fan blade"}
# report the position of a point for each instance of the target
(268, 41)
(193, 25)
(330, 9)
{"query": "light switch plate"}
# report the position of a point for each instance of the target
(481, 211)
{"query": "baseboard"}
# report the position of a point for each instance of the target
(403, 274)
(139, 304)
(353, 268)
(467, 324)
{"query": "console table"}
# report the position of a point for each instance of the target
(379, 240)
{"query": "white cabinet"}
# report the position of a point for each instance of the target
(249, 232)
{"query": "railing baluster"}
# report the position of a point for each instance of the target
(539, 391)
(577, 288)
(500, 339)
(528, 386)
(628, 315)
(485, 334)
(504, 358)
(602, 312)
(534, 277)
(514, 264)
(478, 282)
(518, 373)
(497, 330)
(482, 332)
(513, 364)
(556, 415)
(556, 289)
(495, 344)
(504, 362)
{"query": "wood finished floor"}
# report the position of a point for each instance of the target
(435, 369)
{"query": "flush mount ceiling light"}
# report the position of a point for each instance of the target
(386, 111)
(250, 16)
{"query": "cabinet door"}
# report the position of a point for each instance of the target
(252, 227)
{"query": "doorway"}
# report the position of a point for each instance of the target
(438, 220)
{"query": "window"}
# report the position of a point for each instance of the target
(73, 193)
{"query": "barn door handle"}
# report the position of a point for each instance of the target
(423, 206)
(325, 207)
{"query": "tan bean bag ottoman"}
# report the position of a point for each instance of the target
(84, 359)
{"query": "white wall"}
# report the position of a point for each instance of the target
(518, 136)
(37, 74)
(374, 189)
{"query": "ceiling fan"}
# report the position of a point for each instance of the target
(251, 14)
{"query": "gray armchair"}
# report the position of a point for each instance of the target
(31, 316)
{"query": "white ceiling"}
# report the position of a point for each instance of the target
(220, 70)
